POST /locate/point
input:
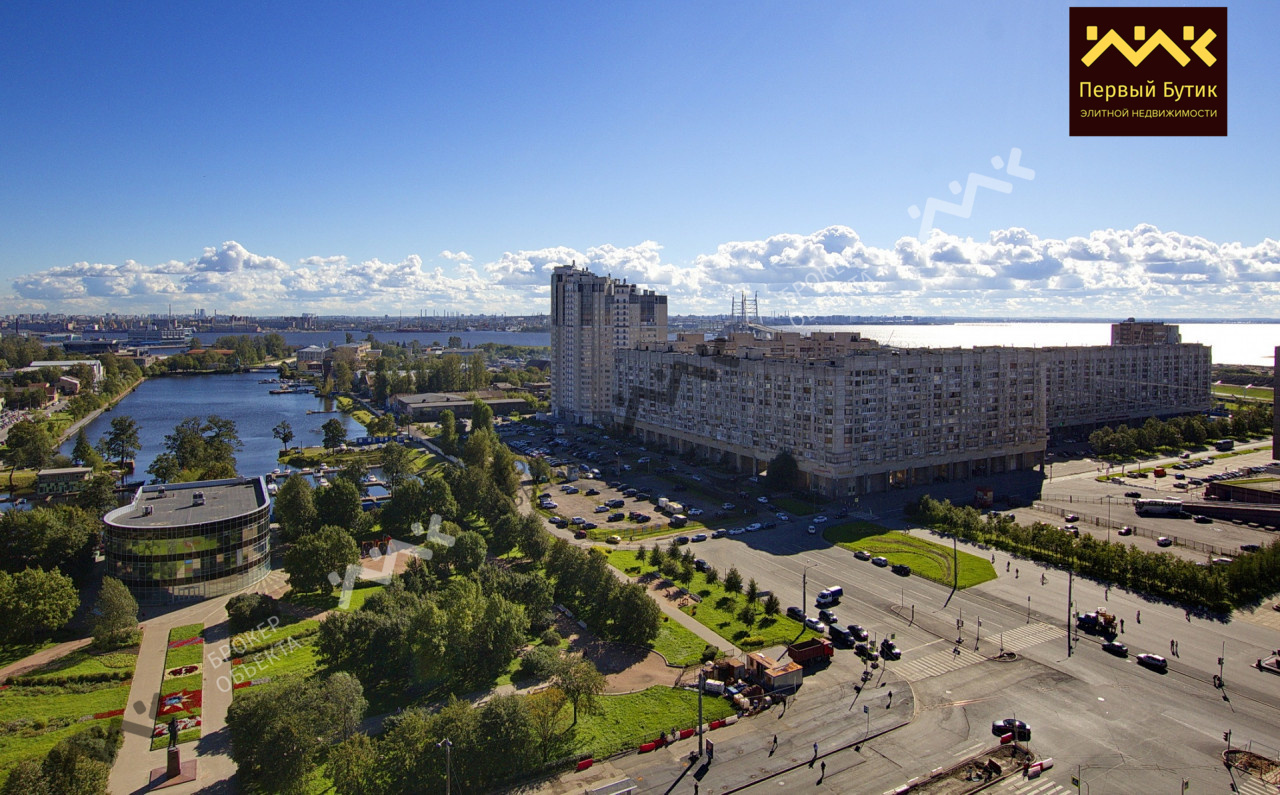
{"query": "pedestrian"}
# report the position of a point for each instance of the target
(824, 769)
(775, 741)
(1015, 574)
(1139, 616)
(890, 704)
(1106, 594)
(1122, 626)
(1006, 567)
(1172, 645)
(815, 750)
(1188, 616)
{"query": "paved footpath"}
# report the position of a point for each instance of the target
(43, 657)
(215, 770)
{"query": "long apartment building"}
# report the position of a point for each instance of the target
(591, 317)
(858, 421)
(861, 418)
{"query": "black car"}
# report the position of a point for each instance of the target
(682, 539)
(1020, 731)
(858, 632)
(865, 651)
(840, 636)
(901, 569)
(828, 617)
(1116, 647)
(889, 650)
(796, 613)
(592, 492)
(1249, 547)
(1203, 520)
(617, 517)
(700, 565)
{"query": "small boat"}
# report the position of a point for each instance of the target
(272, 488)
(323, 481)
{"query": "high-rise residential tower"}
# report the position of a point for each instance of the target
(591, 317)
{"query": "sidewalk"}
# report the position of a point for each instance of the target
(133, 765)
(43, 657)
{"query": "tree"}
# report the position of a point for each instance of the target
(115, 614)
(544, 708)
(771, 605)
(481, 416)
(581, 682)
(339, 504)
(295, 508)
(448, 439)
(468, 552)
(539, 470)
(35, 601)
(246, 611)
(121, 442)
(99, 495)
(284, 432)
(314, 556)
(502, 469)
(278, 730)
(58, 536)
(637, 618)
(753, 590)
(83, 453)
(784, 472)
(29, 447)
(733, 580)
(334, 434)
(199, 449)
(395, 460)
(352, 766)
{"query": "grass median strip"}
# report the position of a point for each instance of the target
(181, 690)
(926, 559)
(719, 610)
(626, 721)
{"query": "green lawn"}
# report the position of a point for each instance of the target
(34, 719)
(718, 610)
(329, 601)
(627, 721)
(926, 559)
(12, 652)
(1259, 392)
(678, 645)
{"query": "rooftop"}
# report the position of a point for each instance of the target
(174, 504)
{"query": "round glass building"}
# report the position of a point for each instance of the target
(191, 540)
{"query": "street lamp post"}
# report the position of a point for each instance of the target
(447, 745)
(804, 588)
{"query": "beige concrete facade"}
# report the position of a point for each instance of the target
(591, 316)
(858, 420)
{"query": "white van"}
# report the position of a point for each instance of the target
(830, 596)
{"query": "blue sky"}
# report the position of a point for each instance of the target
(335, 157)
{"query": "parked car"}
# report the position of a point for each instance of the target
(1136, 495)
(815, 625)
(700, 565)
(719, 533)
(1126, 531)
(762, 499)
(819, 519)
(828, 617)
(699, 537)
(813, 530)
(614, 539)
(862, 554)
(1153, 661)
(1250, 547)
(1164, 541)
(682, 540)
(796, 613)
(1020, 731)
(616, 517)
(601, 509)
(1203, 520)
(879, 561)
(580, 533)
(728, 506)
(901, 569)
(1071, 517)
(782, 517)
(592, 492)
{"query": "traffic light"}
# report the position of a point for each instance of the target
(1226, 736)
(1219, 662)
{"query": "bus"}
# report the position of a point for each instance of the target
(1225, 444)
(1157, 507)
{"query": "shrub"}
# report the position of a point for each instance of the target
(550, 637)
(248, 610)
(710, 653)
(540, 662)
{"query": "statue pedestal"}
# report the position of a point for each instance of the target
(174, 772)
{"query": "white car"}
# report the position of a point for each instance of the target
(754, 526)
(819, 519)
(762, 499)
(695, 511)
(728, 506)
(737, 531)
(812, 530)
(815, 624)
(782, 517)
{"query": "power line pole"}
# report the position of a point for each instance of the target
(1070, 585)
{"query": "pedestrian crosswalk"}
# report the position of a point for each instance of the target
(1248, 785)
(945, 661)
(1017, 785)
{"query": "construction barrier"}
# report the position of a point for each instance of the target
(686, 733)
(585, 763)
(715, 724)
(732, 719)
(647, 747)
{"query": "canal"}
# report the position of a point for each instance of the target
(159, 404)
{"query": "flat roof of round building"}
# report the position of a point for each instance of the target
(177, 504)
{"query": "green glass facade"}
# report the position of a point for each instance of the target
(173, 543)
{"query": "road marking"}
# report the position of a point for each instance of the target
(968, 751)
(1035, 786)
(1248, 785)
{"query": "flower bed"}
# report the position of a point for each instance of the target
(181, 690)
